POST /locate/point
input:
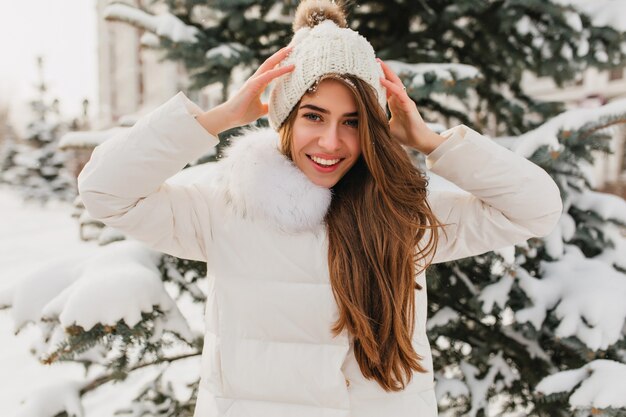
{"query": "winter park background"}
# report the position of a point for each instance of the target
(93, 324)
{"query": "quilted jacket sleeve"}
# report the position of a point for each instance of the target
(509, 199)
(123, 183)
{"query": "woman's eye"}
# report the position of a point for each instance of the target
(316, 117)
(311, 116)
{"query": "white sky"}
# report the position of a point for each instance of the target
(64, 33)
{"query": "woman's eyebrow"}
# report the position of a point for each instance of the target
(321, 110)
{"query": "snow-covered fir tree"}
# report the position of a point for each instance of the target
(34, 165)
(7, 139)
(536, 329)
(504, 324)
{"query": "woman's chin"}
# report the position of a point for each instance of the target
(324, 182)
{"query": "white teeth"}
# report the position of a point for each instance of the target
(327, 162)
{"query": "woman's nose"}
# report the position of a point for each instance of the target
(330, 139)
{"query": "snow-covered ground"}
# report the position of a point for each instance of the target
(30, 236)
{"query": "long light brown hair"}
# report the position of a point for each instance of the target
(377, 219)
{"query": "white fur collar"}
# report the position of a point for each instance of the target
(261, 183)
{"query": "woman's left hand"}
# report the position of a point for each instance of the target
(406, 123)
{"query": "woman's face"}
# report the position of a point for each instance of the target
(325, 133)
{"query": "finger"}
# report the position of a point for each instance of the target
(389, 74)
(274, 59)
(392, 88)
(261, 81)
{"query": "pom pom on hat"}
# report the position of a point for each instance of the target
(323, 44)
(311, 13)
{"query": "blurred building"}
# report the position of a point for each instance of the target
(593, 89)
(132, 80)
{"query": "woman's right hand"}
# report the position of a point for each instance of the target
(245, 106)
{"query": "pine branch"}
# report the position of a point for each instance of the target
(590, 132)
(101, 380)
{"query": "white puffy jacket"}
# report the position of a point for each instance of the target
(256, 220)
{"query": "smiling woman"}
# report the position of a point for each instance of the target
(325, 140)
(316, 231)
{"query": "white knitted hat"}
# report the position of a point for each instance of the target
(319, 50)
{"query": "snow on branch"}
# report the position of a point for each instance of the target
(586, 294)
(227, 51)
(598, 384)
(450, 387)
(442, 317)
(608, 206)
(602, 12)
(420, 74)
(430, 80)
(53, 399)
(547, 133)
(28, 297)
(499, 373)
(496, 293)
(87, 139)
(563, 232)
(533, 347)
(120, 282)
(165, 24)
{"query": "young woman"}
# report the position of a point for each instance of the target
(316, 231)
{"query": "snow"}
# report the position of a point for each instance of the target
(583, 45)
(573, 20)
(608, 206)
(442, 71)
(113, 285)
(119, 283)
(566, 52)
(87, 139)
(602, 12)
(601, 56)
(452, 387)
(458, 273)
(574, 119)
(31, 237)
(601, 384)
(40, 239)
(617, 254)
(587, 296)
(165, 24)
(508, 255)
(442, 317)
(496, 293)
(30, 296)
(54, 398)
(478, 387)
(275, 14)
(554, 242)
(525, 26)
(226, 50)
(532, 346)
(150, 40)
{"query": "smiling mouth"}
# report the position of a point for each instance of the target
(324, 165)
